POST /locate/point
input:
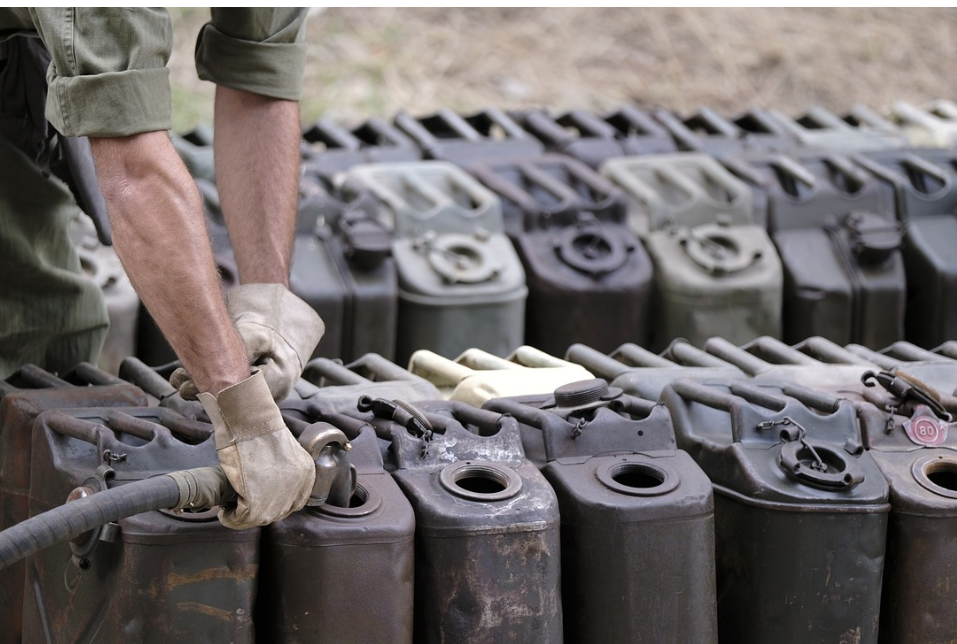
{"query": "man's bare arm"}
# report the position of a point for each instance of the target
(256, 147)
(160, 235)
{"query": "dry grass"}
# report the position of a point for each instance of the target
(374, 62)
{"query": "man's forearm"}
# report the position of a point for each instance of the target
(257, 173)
(160, 235)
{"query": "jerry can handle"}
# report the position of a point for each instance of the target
(605, 190)
(915, 162)
(716, 123)
(495, 116)
(332, 135)
(542, 125)
(826, 119)
(794, 171)
(843, 165)
(637, 120)
(319, 369)
(461, 127)
(588, 124)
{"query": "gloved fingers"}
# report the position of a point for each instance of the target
(270, 472)
(279, 330)
(272, 476)
(182, 382)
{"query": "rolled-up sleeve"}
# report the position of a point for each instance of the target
(257, 50)
(108, 77)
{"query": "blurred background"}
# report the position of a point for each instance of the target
(375, 62)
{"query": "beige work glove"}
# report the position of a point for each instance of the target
(270, 472)
(280, 332)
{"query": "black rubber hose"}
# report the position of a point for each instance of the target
(85, 514)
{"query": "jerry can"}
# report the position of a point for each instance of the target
(707, 132)
(361, 249)
(584, 268)
(716, 270)
(154, 577)
(632, 506)
(460, 282)
(101, 264)
(855, 288)
(923, 184)
(804, 187)
(322, 564)
(23, 396)
(643, 373)
(593, 139)
(800, 511)
(462, 140)
(329, 148)
(822, 129)
(195, 148)
(911, 438)
(476, 376)
(934, 125)
(822, 205)
(340, 386)
(487, 552)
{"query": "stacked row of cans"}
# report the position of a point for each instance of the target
(493, 230)
(753, 493)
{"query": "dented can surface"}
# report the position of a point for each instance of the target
(155, 577)
(487, 535)
(637, 515)
(801, 510)
(342, 574)
(584, 268)
(19, 406)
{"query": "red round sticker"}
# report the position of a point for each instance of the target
(926, 430)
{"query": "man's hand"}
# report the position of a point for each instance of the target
(279, 330)
(271, 473)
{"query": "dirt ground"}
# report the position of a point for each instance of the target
(375, 62)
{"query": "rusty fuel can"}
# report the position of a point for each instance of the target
(461, 283)
(487, 553)
(23, 396)
(801, 510)
(585, 270)
(716, 270)
(463, 140)
(632, 506)
(909, 432)
(593, 139)
(341, 574)
(154, 577)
